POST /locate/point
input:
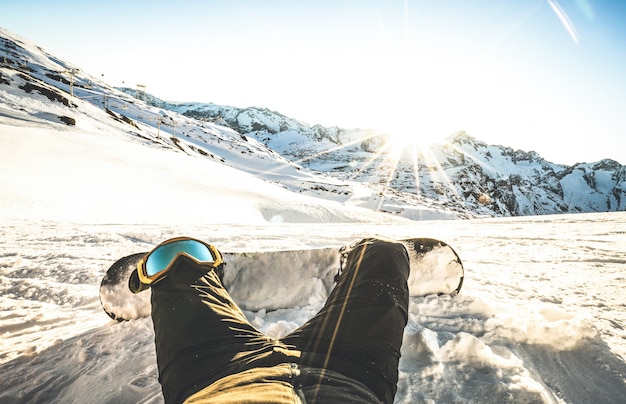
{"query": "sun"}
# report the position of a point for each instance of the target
(413, 135)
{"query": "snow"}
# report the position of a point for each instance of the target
(541, 316)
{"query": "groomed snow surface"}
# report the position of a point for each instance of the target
(541, 317)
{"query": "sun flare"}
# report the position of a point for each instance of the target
(412, 136)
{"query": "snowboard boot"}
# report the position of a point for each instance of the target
(345, 250)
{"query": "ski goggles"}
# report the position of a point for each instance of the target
(155, 265)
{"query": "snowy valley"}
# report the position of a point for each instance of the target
(91, 173)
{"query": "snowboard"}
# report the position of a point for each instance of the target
(290, 277)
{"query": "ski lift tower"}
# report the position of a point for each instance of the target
(71, 72)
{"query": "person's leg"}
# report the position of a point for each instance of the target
(200, 333)
(359, 330)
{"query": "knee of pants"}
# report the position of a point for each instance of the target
(374, 255)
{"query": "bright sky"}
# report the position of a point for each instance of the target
(543, 75)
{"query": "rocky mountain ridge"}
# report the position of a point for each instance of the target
(463, 171)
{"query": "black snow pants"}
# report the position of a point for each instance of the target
(207, 351)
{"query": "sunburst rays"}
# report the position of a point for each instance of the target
(396, 165)
(399, 171)
(417, 169)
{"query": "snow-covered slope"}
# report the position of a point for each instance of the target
(36, 86)
(540, 318)
(462, 173)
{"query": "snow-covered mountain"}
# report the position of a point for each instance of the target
(461, 172)
(459, 178)
(40, 89)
